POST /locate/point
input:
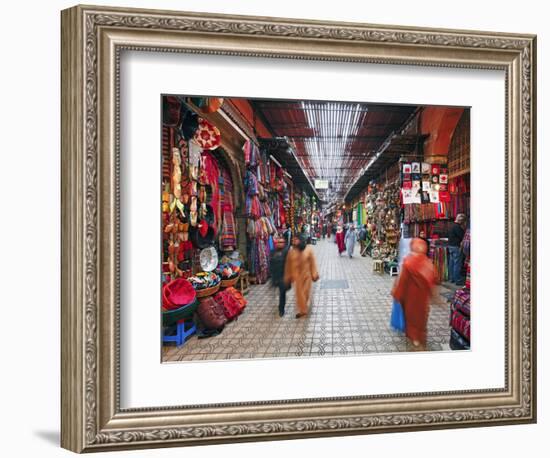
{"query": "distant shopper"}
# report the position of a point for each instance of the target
(287, 235)
(277, 270)
(340, 240)
(351, 240)
(456, 235)
(306, 231)
(301, 271)
(413, 289)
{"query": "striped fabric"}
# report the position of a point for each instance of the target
(228, 237)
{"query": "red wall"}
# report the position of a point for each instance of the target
(246, 110)
(440, 124)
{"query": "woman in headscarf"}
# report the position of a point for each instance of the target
(413, 290)
(340, 240)
(301, 270)
(351, 240)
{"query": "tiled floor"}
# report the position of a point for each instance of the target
(349, 315)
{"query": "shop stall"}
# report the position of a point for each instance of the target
(200, 259)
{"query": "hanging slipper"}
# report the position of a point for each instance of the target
(202, 194)
(171, 248)
(193, 212)
(177, 191)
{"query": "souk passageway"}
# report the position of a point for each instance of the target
(349, 315)
(243, 178)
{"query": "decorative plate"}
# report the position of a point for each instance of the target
(209, 259)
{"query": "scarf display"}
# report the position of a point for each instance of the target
(209, 173)
(228, 238)
(460, 315)
(258, 229)
(413, 230)
(440, 258)
(459, 189)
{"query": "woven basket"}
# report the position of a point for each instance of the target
(230, 282)
(208, 291)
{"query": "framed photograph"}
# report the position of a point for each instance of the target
(242, 256)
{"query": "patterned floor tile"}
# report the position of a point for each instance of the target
(349, 315)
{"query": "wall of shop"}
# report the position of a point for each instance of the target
(439, 123)
(257, 124)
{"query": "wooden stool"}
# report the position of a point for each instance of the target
(378, 266)
(243, 283)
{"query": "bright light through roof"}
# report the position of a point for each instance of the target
(335, 125)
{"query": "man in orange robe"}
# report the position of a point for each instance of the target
(413, 290)
(301, 270)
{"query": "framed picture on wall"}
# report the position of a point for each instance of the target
(244, 222)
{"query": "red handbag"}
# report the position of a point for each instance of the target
(211, 314)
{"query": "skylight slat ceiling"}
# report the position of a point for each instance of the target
(333, 140)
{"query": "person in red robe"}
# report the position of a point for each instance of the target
(413, 289)
(340, 240)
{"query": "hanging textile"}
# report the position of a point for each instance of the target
(228, 239)
(259, 213)
(359, 214)
(440, 258)
(209, 175)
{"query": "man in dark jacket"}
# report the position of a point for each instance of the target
(277, 270)
(287, 235)
(456, 234)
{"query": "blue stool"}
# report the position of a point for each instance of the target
(181, 335)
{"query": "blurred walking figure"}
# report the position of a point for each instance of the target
(277, 270)
(413, 289)
(340, 240)
(301, 270)
(351, 240)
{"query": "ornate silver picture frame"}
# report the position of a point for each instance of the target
(93, 39)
